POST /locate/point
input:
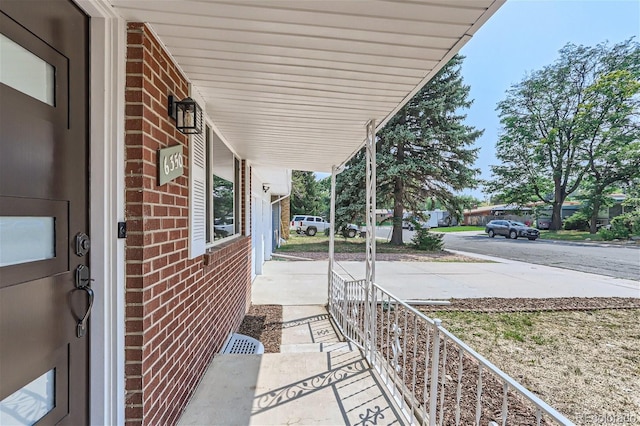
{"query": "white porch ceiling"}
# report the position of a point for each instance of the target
(292, 84)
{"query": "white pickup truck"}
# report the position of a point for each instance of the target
(309, 225)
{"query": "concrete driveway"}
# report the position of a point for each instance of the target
(305, 282)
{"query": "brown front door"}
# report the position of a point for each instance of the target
(44, 266)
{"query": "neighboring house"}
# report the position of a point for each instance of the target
(483, 215)
(568, 209)
(604, 215)
(383, 215)
(616, 209)
(428, 218)
(116, 205)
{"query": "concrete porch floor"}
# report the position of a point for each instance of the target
(315, 380)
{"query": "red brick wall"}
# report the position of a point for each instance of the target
(179, 311)
(285, 217)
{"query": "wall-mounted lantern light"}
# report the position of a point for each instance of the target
(187, 114)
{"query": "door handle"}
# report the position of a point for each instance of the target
(82, 283)
(81, 329)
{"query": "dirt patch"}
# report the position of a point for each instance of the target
(496, 304)
(585, 363)
(264, 322)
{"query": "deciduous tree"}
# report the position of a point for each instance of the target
(611, 129)
(564, 121)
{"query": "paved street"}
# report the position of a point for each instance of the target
(604, 259)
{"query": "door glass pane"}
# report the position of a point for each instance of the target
(31, 403)
(26, 72)
(26, 239)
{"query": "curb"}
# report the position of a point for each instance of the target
(622, 244)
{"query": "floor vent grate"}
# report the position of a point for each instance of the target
(240, 344)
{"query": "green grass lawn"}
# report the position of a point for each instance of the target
(320, 244)
(458, 229)
(514, 326)
(569, 236)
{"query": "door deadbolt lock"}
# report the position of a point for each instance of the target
(83, 244)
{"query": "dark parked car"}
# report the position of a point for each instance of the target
(511, 229)
(350, 231)
(543, 223)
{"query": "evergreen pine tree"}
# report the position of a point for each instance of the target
(424, 152)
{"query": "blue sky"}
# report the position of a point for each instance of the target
(524, 36)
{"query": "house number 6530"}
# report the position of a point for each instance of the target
(172, 162)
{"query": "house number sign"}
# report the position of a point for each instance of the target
(170, 164)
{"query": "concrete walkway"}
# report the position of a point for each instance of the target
(315, 380)
(305, 282)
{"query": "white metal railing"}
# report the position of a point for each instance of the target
(346, 306)
(435, 378)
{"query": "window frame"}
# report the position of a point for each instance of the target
(210, 240)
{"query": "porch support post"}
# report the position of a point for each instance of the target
(371, 202)
(332, 225)
(370, 310)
